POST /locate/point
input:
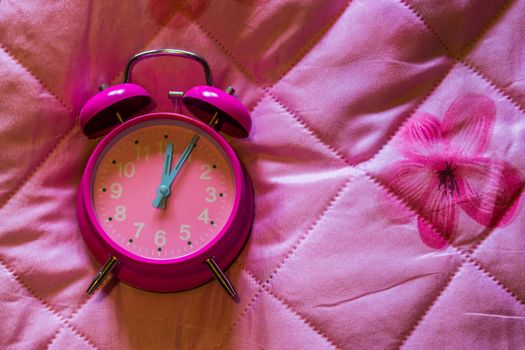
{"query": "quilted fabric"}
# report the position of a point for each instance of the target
(386, 156)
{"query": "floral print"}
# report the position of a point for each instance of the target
(445, 169)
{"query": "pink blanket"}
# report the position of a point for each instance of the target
(386, 156)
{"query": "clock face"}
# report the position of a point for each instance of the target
(125, 182)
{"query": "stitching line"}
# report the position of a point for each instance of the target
(310, 45)
(314, 41)
(60, 139)
(466, 260)
(480, 267)
(491, 83)
(63, 320)
(229, 55)
(420, 319)
(266, 91)
(288, 307)
(485, 234)
(466, 254)
(461, 58)
(26, 68)
(24, 181)
(71, 317)
(62, 103)
(338, 154)
(294, 248)
(297, 244)
(457, 58)
(246, 309)
(409, 116)
(54, 337)
(308, 129)
(224, 49)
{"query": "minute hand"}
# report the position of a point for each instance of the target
(167, 180)
(182, 159)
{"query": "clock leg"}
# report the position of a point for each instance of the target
(102, 274)
(221, 277)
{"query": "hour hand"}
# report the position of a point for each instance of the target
(163, 191)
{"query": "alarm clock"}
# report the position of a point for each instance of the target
(164, 203)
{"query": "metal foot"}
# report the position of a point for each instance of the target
(102, 274)
(220, 277)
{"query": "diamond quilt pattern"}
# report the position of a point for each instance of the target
(386, 157)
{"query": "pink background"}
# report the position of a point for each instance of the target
(335, 259)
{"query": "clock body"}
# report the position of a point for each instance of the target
(208, 214)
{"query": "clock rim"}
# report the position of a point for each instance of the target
(127, 256)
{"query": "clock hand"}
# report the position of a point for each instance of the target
(183, 158)
(163, 190)
(167, 179)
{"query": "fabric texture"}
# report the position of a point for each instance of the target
(386, 156)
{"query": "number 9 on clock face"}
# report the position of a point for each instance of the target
(126, 178)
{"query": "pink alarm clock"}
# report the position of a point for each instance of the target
(164, 203)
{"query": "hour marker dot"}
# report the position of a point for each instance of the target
(165, 136)
(214, 166)
(221, 195)
(104, 189)
(110, 218)
(114, 162)
(136, 142)
(189, 242)
(130, 240)
(212, 223)
(159, 249)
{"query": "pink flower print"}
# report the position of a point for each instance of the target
(444, 170)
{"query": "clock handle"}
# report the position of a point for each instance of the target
(102, 274)
(167, 52)
(221, 277)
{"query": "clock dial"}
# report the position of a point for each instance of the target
(125, 182)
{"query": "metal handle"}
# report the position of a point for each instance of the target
(168, 52)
